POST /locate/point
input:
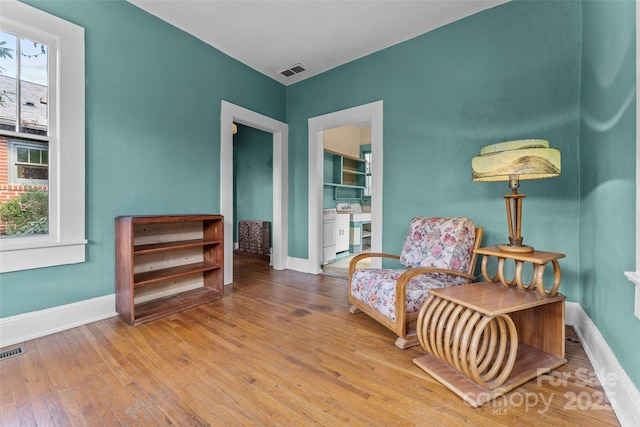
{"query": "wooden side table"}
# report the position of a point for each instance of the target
(485, 339)
(538, 259)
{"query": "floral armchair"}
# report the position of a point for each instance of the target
(437, 252)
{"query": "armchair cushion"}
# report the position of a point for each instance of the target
(439, 242)
(377, 289)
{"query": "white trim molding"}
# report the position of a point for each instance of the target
(373, 114)
(230, 114)
(301, 265)
(27, 326)
(635, 278)
(620, 390)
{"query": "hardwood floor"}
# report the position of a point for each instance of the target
(280, 349)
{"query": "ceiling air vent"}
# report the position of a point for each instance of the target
(294, 69)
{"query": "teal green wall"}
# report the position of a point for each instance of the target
(506, 73)
(253, 176)
(608, 176)
(153, 98)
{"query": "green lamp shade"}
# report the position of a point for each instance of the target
(526, 159)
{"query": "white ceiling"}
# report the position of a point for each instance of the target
(271, 36)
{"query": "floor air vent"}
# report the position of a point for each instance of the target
(13, 352)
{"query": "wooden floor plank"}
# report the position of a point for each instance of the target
(19, 407)
(261, 366)
(37, 385)
(237, 385)
(280, 349)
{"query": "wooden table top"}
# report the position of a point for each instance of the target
(493, 299)
(536, 257)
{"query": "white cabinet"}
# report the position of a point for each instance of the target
(329, 237)
(342, 229)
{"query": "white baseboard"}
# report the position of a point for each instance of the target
(298, 264)
(27, 326)
(622, 393)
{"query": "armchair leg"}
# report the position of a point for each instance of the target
(354, 310)
(404, 343)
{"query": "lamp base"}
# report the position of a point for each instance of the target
(519, 249)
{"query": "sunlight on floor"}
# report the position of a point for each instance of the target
(340, 267)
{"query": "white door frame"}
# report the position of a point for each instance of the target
(371, 113)
(230, 113)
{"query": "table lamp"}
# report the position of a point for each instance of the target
(514, 161)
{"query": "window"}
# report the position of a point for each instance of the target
(365, 153)
(28, 163)
(24, 78)
(42, 133)
(367, 157)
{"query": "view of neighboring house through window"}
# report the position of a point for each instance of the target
(29, 163)
(24, 136)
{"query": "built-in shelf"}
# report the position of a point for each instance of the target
(347, 175)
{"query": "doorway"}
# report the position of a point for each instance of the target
(252, 193)
(372, 114)
(229, 114)
(346, 196)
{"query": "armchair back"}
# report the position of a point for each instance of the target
(439, 242)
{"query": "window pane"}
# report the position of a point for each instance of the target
(24, 108)
(34, 156)
(32, 172)
(28, 214)
(25, 211)
(33, 87)
(23, 154)
(8, 86)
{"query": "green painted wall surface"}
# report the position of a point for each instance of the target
(153, 98)
(608, 176)
(506, 73)
(253, 176)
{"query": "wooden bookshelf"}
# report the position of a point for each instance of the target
(166, 264)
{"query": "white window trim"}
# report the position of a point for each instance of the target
(65, 243)
(634, 276)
